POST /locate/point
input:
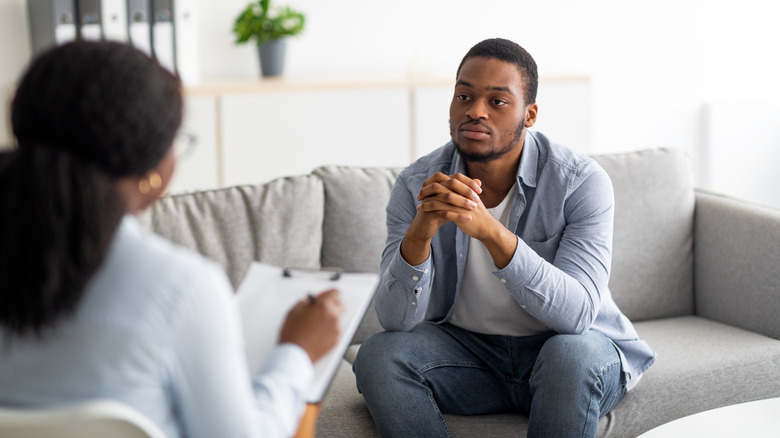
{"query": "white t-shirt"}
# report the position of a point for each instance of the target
(483, 304)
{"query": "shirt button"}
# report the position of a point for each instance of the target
(426, 270)
(414, 303)
(417, 292)
(415, 278)
(503, 280)
(522, 306)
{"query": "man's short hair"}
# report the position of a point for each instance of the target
(508, 51)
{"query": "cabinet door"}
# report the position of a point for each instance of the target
(275, 134)
(198, 169)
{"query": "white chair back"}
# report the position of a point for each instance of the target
(93, 419)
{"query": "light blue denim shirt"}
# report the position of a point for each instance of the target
(158, 329)
(563, 215)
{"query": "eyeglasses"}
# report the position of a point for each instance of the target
(184, 144)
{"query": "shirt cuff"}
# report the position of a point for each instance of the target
(410, 277)
(522, 268)
(290, 360)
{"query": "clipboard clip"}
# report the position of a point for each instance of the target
(325, 273)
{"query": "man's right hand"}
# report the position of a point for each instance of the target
(443, 198)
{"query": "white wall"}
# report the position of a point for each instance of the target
(654, 65)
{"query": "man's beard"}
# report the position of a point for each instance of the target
(492, 154)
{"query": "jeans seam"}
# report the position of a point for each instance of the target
(600, 376)
(621, 391)
(447, 363)
(438, 412)
(601, 371)
(440, 364)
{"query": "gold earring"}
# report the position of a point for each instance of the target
(152, 181)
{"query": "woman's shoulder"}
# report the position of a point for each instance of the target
(151, 252)
(146, 276)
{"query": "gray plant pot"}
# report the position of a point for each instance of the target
(272, 57)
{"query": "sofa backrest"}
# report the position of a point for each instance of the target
(652, 248)
(353, 227)
(336, 217)
(279, 222)
(354, 230)
(652, 263)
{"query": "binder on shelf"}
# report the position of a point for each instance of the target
(138, 25)
(90, 28)
(52, 22)
(114, 19)
(185, 25)
(164, 29)
(175, 37)
(163, 44)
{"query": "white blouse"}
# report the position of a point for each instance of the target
(158, 330)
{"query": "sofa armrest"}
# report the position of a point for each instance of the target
(737, 263)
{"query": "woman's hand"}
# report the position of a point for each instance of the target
(313, 324)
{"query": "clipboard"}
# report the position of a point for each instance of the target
(268, 292)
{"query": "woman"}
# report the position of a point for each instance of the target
(91, 305)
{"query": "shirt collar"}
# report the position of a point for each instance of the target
(458, 164)
(130, 226)
(529, 160)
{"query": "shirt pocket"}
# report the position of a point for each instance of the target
(546, 249)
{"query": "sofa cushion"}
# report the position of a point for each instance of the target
(279, 222)
(652, 249)
(344, 414)
(353, 229)
(702, 364)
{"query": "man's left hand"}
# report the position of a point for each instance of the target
(500, 242)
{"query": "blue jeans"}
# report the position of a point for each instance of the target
(564, 383)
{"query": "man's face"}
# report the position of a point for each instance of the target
(488, 112)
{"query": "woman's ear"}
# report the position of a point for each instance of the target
(150, 181)
(139, 192)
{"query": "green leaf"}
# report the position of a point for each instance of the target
(262, 22)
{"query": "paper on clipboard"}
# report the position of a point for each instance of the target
(266, 295)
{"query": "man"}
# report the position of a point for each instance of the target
(494, 278)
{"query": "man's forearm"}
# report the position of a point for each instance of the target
(414, 250)
(501, 245)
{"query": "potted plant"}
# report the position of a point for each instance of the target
(268, 26)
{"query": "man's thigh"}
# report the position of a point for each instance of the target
(466, 373)
(584, 367)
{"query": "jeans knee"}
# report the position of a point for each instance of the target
(376, 357)
(575, 358)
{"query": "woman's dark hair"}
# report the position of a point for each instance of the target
(508, 51)
(84, 115)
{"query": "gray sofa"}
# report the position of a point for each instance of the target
(698, 273)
